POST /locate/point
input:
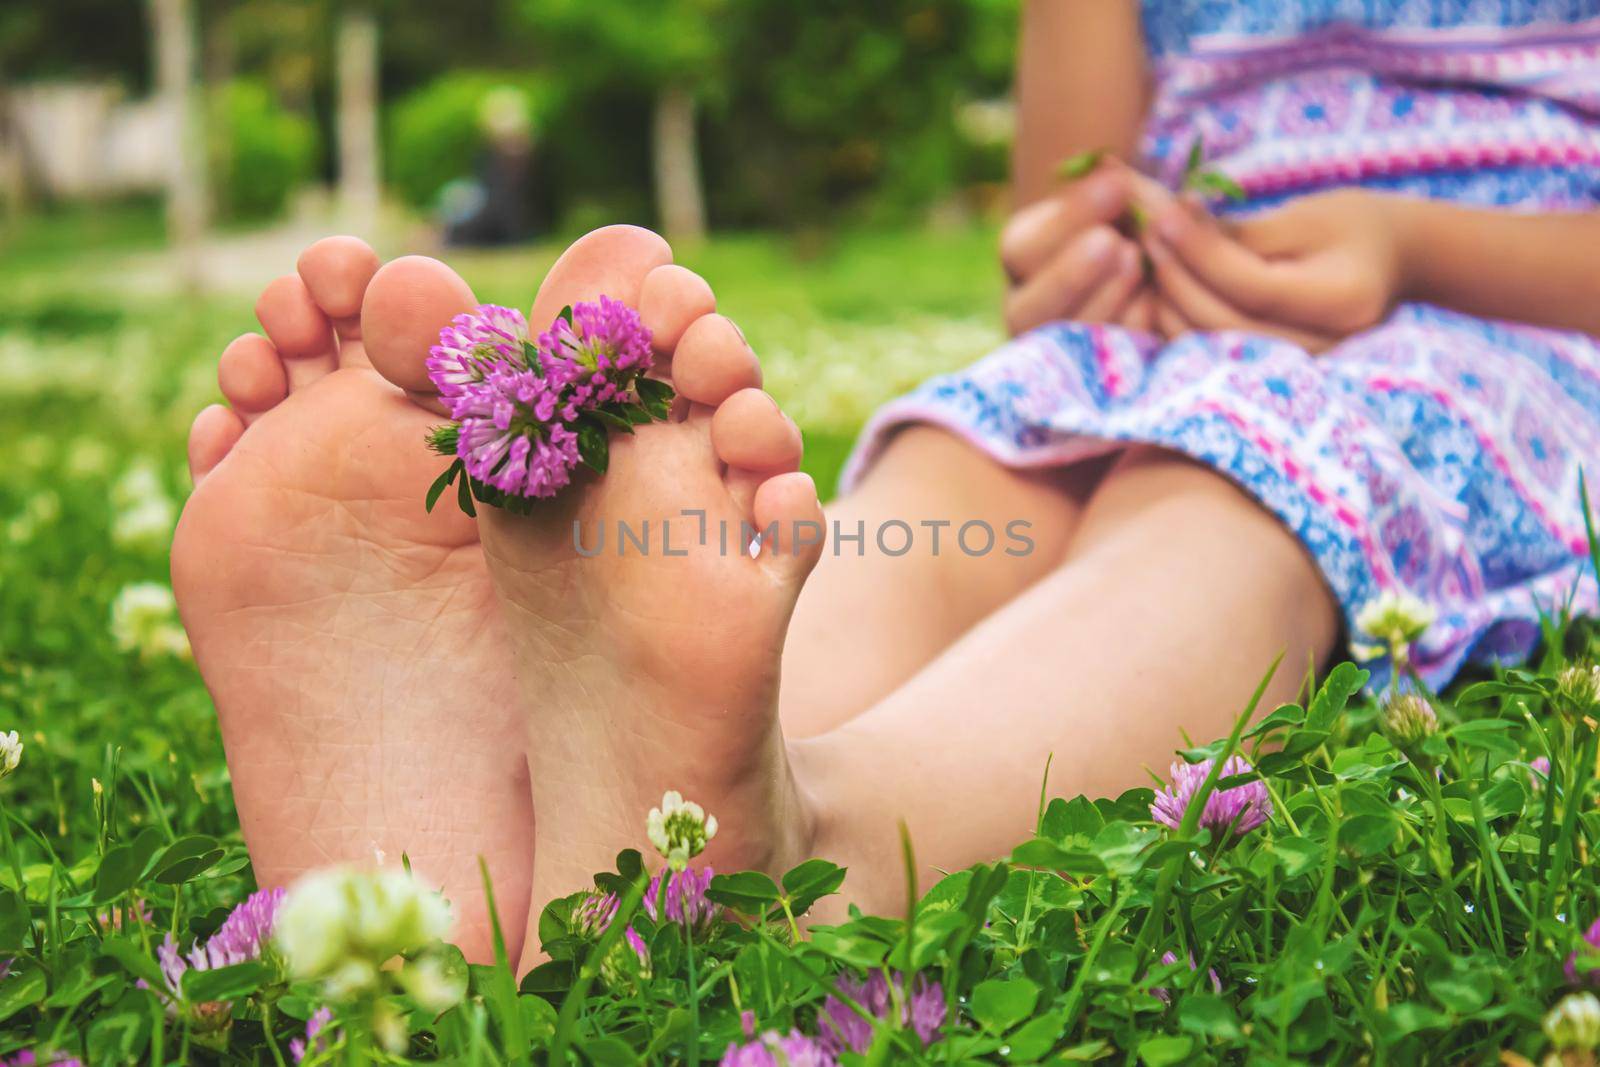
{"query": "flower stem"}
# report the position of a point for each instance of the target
(694, 997)
(794, 927)
(1579, 772)
(272, 1038)
(1439, 844)
(12, 856)
(1075, 993)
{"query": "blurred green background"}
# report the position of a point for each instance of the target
(834, 168)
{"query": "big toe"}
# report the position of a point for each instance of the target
(407, 303)
(611, 261)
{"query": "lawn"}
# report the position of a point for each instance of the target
(1415, 892)
(842, 324)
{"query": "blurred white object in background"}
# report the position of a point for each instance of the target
(80, 139)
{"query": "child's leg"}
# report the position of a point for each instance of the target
(1177, 593)
(641, 672)
(867, 621)
(338, 625)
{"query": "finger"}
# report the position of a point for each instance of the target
(1239, 276)
(1036, 233)
(1169, 321)
(1106, 302)
(1151, 197)
(1185, 296)
(1179, 287)
(1139, 313)
(1058, 289)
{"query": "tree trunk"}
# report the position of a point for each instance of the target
(172, 22)
(680, 200)
(13, 169)
(218, 64)
(359, 189)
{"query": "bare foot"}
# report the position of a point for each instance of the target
(650, 670)
(352, 642)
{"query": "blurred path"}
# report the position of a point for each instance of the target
(245, 261)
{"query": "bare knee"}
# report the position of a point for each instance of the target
(918, 451)
(1178, 502)
(931, 471)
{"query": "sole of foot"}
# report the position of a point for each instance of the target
(649, 660)
(352, 643)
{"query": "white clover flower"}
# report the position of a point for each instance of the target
(148, 523)
(10, 752)
(309, 929)
(433, 987)
(341, 925)
(1407, 720)
(1389, 623)
(145, 513)
(144, 619)
(389, 1027)
(349, 979)
(141, 481)
(1574, 1023)
(679, 829)
(1578, 688)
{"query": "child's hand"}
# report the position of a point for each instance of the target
(1315, 271)
(1066, 260)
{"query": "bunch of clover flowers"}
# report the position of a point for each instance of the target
(244, 935)
(616, 952)
(527, 412)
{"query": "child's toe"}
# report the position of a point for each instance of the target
(336, 271)
(750, 432)
(713, 362)
(298, 329)
(611, 261)
(215, 431)
(671, 298)
(787, 505)
(407, 303)
(252, 377)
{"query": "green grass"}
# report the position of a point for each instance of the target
(1383, 915)
(841, 325)
(39, 247)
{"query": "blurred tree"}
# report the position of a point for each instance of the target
(13, 173)
(322, 59)
(356, 48)
(672, 50)
(258, 151)
(787, 113)
(423, 39)
(75, 38)
(172, 31)
(857, 110)
(284, 41)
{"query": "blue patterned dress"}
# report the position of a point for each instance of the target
(1436, 454)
